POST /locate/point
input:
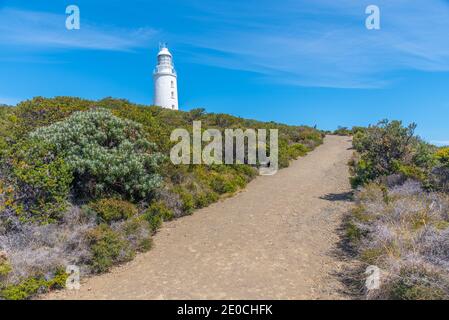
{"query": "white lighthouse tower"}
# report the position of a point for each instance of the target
(165, 84)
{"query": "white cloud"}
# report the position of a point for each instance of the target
(41, 30)
(440, 143)
(323, 42)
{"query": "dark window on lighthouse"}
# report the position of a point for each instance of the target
(172, 95)
(172, 84)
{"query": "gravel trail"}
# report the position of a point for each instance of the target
(274, 240)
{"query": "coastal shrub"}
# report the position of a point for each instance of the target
(109, 210)
(417, 283)
(156, 213)
(154, 130)
(154, 221)
(342, 131)
(33, 285)
(40, 112)
(284, 154)
(248, 172)
(171, 200)
(137, 233)
(412, 172)
(187, 199)
(205, 198)
(6, 121)
(108, 155)
(159, 208)
(353, 233)
(439, 178)
(345, 131)
(297, 150)
(442, 156)
(221, 184)
(5, 267)
(107, 248)
(388, 148)
(40, 181)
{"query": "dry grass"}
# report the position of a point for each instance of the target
(404, 231)
(40, 249)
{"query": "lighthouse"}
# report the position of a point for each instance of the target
(165, 80)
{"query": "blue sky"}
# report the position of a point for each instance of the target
(299, 62)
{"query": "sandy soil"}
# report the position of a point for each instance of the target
(274, 240)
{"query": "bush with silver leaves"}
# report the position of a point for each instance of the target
(108, 155)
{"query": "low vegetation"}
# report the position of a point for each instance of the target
(401, 219)
(88, 183)
(344, 131)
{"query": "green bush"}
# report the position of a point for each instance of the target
(41, 181)
(187, 199)
(310, 137)
(386, 148)
(107, 248)
(159, 208)
(353, 233)
(31, 286)
(222, 184)
(40, 112)
(358, 140)
(6, 122)
(5, 268)
(412, 172)
(109, 210)
(442, 156)
(297, 150)
(247, 171)
(342, 131)
(156, 213)
(24, 290)
(361, 172)
(108, 155)
(292, 151)
(284, 154)
(418, 284)
(155, 222)
(205, 198)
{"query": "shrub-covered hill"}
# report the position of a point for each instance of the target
(87, 183)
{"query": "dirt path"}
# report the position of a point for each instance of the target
(271, 241)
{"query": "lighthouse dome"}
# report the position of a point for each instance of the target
(164, 51)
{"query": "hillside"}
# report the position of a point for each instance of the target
(88, 183)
